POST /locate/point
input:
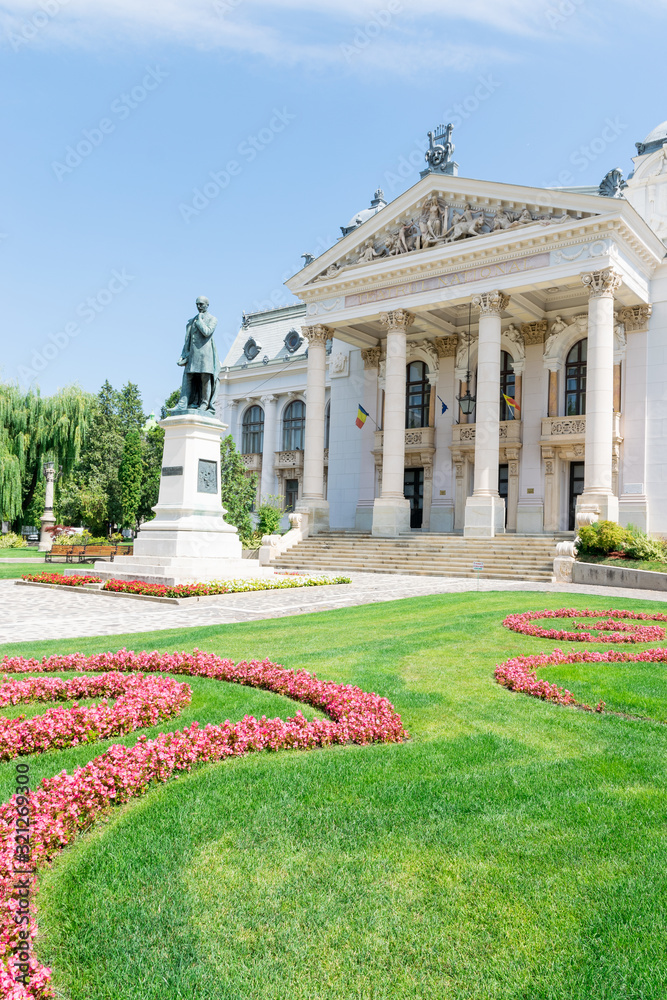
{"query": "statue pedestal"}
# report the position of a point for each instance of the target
(189, 540)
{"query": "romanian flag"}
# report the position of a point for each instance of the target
(361, 416)
(513, 405)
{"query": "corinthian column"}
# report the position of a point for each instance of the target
(313, 454)
(391, 511)
(598, 497)
(485, 509)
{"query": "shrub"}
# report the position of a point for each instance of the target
(640, 546)
(269, 515)
(12, 541)
(601, 538)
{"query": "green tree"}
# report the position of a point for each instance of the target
(130, 409)
(169, 403)
(130, 475)
(151, 455)
(34, 428)
(238, 489)
(101, 458)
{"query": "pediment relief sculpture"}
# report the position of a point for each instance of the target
(438, 224)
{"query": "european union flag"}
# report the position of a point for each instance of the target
(444, 406)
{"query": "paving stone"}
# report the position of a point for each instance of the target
(28, 614)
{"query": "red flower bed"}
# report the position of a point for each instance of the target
(613, 630)
(61, 579)
(64, 805)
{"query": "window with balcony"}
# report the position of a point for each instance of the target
(507, 385)
(294, 426)
(252, 438)
(418, 395)
(575, 380)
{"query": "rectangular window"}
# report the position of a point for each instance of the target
(291, 493)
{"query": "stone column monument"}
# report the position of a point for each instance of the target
(48, 519)
(189, 540)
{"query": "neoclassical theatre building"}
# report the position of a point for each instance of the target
(504, 348)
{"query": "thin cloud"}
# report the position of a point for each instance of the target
(316, 33)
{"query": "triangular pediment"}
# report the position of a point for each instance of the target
(439, 213)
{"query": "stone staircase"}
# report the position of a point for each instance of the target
(506, 557)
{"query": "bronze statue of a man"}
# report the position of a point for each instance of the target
(199, 359)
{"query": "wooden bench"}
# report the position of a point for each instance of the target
(89, 553)
(58, 552)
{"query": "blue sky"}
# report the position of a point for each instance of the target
(116, 112)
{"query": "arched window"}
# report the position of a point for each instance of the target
(575, 380)
(252, 439)
(294, 426)
(327, 423)
(507, 384)
(417, 395)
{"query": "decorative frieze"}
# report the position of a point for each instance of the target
(601, 283)
(491, 303)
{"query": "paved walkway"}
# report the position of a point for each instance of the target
(36, 614)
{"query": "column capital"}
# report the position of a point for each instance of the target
(398, 319)
(268, 398)
(635, 318)
(533, 333)
(601, 283)
(491, 303)
(318, 334)
(371, 357)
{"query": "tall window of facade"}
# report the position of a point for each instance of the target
(327, 423)
(252, 438)
(507, 384)
(294, 426)
(575, 380)
(417, 395)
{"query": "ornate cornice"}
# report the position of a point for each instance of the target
(601, 283)
(397, 319)
(317, 334)
(491, 303)
(533, 333)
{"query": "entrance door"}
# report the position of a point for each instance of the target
(576, 489)
(503, 484)
(413, 488)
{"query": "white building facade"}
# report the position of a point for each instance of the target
(467, 295)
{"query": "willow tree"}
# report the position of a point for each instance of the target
(34, 428)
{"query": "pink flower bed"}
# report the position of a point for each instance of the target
(65, 805)
(518, 674)
(613, 630)
(141, 701)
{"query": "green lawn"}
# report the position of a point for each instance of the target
(26, 553)
(512, 850)
(14, 571)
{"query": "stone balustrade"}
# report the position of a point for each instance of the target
(510, 434)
